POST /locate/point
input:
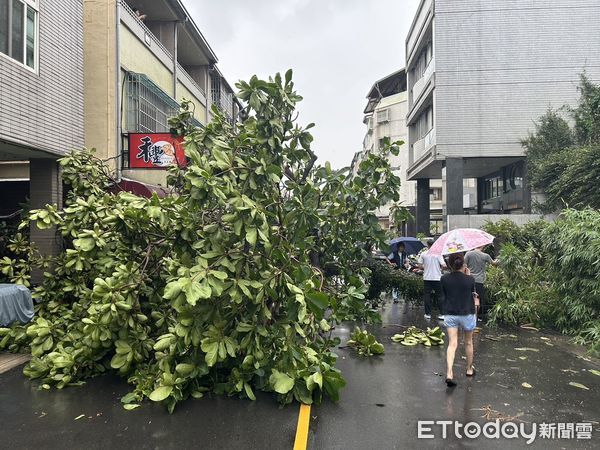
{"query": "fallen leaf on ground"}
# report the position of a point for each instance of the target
(569, 370)
(544, 338)
(595, 372)
(80, 416)
(131, 406)
(526, 385)
(579, 385)
(523, 357)
(527, 349)
(492, 338)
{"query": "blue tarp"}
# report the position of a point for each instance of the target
(16, 304)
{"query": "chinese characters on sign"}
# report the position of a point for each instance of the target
(155, 151)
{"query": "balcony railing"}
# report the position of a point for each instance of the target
(422, 82)
(148, 37)
(190, 83)
(423, 145)
(137, 27)
(429, 139)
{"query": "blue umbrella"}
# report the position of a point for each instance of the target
(413, 245)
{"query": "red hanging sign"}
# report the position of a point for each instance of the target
(155, 151)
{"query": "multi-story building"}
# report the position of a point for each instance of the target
(385, 117)
(479, 75)
(77, 73)
(142, 58)
(41, 101)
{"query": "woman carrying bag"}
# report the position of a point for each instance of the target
(460, 312)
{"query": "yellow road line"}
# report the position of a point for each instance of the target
(302, 430)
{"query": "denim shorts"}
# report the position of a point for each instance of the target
(467, 323)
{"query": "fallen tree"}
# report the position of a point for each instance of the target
(219, 287)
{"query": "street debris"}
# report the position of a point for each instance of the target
(579, 385)
(413, 336)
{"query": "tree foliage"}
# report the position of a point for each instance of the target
(553, 282)
(220, 287)
(562, 161)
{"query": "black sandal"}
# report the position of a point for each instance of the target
(471, 374)
(450, 382)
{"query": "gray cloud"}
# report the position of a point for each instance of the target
(337, 48)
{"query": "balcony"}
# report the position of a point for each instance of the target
(422, 83)
(423, 145)
(132, 54)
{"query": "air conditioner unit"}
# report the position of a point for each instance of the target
(383, 116)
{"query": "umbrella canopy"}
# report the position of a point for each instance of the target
(412, 244)
(460, 240)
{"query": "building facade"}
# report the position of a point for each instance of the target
(41, 101)
(86, 73)
(478, 79)
(385, 118)
(153, 56)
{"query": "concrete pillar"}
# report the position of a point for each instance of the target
(480, 194)
(45, 187)
(452, 177)
(411, 225)
(527, 203)
(423, 212)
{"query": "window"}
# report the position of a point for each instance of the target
(424, 124)
(147, 107)
(422, 62)
(18, 31)
(220, 96)
(382, 142)
(435, 194)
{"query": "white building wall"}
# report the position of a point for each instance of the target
(395, 130)
(498, 69)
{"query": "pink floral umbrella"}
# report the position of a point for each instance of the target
(460, 240)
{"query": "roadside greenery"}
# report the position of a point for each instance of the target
(564, 161)
(229, 285)
(553, 281)
(384, 278)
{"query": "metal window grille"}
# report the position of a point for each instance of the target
(221, 97)
(147, 107)
(215, 91)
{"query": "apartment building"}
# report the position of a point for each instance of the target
(478, 76)
(142, 58)
(41, 102)
(385, 118)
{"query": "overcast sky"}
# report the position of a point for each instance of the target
(337, 49)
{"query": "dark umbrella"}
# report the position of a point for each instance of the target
(413, 245)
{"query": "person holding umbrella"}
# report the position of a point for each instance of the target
(400, 261)
(459, 293)
(459, 304)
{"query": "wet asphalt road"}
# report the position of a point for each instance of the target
(385, 396)
(379, 407)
